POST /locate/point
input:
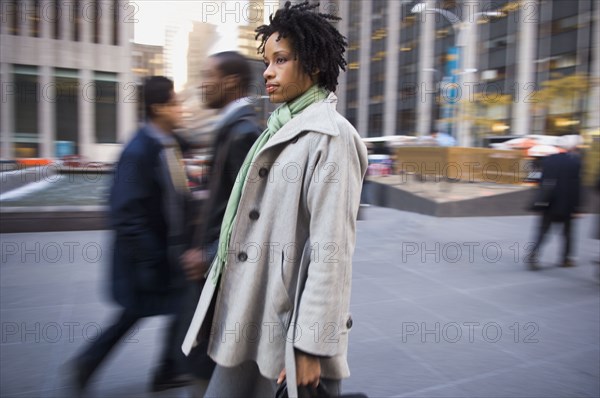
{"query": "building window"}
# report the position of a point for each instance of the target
(10, 16)
(375, 125)
(67, 105)
(115, 22)
(76, 21)
(96, 25)
(106, 107)
(34, 20)
(565, 24)
(500, 42)
(57, 17)
(563, 61)
(27, 96)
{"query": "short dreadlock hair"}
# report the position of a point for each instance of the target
(316, 42)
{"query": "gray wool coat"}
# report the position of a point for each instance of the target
(289, 267)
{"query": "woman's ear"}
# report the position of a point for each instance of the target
(315, 75)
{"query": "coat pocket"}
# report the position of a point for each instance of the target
(282, 304)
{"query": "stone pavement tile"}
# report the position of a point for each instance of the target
(542, 379)
(460, 307)
(362, 330)
(446, 390)
(533, 340)
(579, 322)
(559, 378)
(570, 285)
(391, 319)
(41, 275)
(48, 324)
(381, 369)
(32, 296)
(464, 277)
(374, 265)
(394, 283)
(30, 368)
(535, 295)
(460, 359)
(367, 291)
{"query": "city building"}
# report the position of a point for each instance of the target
(472, 68)
(253, 17)
(169, 52)
(200, 40)
(197, 118)
(66, 77)
(147, 60)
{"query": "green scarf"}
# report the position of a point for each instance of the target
(278, 118)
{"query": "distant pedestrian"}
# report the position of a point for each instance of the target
(148, 201)
(280, 309)
(225, 78)
(597, 232)
(558, 198)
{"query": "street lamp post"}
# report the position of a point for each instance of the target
(456, 78)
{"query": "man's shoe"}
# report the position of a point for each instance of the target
(164, 381)
(75, 377)
(532, 263)
(567, 264)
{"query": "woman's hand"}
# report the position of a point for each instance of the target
(308, 370)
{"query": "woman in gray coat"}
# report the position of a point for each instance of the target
(276, 300)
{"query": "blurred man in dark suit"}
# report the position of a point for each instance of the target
(226, 77)
(148, 202)
(558, 198)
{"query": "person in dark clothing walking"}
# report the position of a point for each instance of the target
(558, 198)
(148, 202)
(226, 77)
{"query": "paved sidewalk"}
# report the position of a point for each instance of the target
(442, 307)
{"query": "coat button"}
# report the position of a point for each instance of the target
(349, 323)
(263, 172)
(254, 215)
(242, 256)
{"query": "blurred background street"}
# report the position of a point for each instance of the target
(441, 306)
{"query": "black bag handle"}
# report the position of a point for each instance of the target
(311, 392)
(303, 391)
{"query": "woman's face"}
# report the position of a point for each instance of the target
(284, 76)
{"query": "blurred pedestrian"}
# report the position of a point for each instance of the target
(148, 201)
(443, 138)
(596, 233)
(226, 77)
(558, 198)
(280, 283)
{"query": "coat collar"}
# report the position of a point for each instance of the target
(154, 132)
(318, 117)
(233, 111)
